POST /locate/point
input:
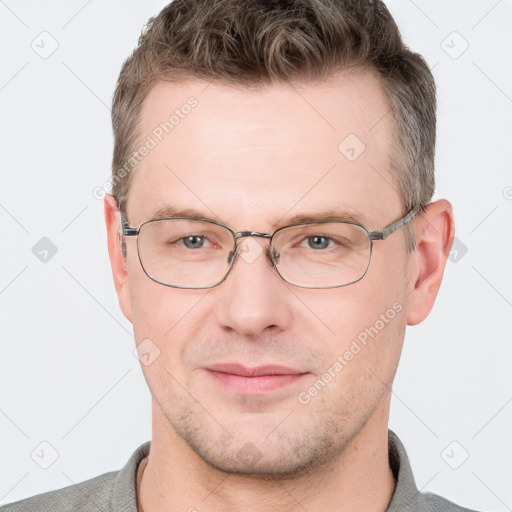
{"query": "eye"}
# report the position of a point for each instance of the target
(194, 241)
(317, 242)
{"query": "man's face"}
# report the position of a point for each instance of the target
(253, 159)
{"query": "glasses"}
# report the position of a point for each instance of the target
(199, 253)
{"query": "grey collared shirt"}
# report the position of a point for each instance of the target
(117, 492)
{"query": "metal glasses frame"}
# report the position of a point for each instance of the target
(380, 234)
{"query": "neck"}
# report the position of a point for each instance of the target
(177, 479)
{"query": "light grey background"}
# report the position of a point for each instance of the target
(68, 374)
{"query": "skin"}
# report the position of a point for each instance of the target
(252, 159)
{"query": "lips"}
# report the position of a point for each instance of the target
(255, 380)
(257, 371)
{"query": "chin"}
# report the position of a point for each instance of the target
(283, 456)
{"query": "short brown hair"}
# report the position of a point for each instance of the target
(258, 42)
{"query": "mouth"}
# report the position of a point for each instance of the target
(256, 380)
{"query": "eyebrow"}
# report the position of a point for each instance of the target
(301, 218)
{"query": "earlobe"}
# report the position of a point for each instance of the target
(434, 229)
(117, 260)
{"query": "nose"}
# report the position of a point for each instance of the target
(253, 298)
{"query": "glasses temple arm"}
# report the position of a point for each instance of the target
(124, 227)
(385, 232)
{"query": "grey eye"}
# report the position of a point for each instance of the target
(318, 242)
(193, 242)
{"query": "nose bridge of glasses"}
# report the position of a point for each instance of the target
(242, 234)
(249, 252)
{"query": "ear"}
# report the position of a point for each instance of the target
(117, 260)
(434, 229)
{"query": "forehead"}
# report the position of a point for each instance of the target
(237, 152)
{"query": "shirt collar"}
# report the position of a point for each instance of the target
(406, 491)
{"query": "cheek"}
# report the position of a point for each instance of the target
(163, 315)
(156, 308)
(364, 363)
(365, 322)
(353, 312)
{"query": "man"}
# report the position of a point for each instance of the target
(271, 235)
